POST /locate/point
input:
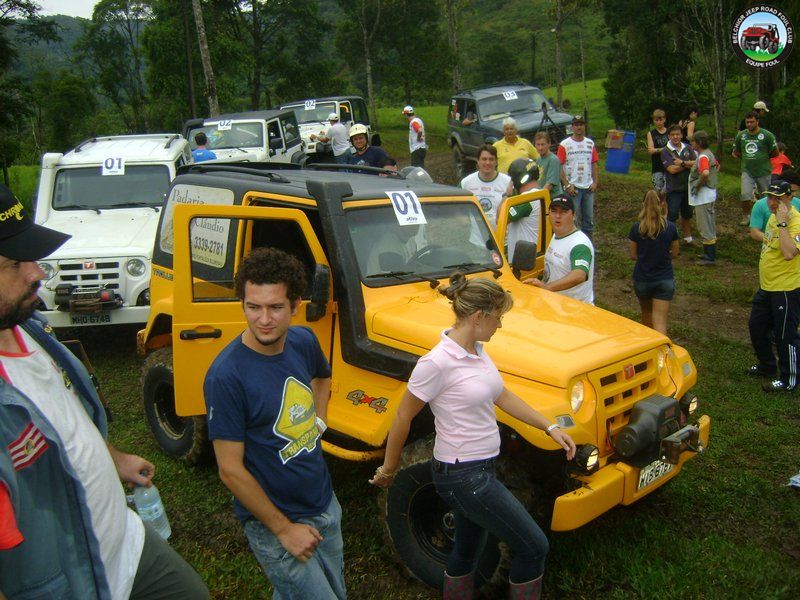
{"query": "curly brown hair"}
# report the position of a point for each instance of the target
(270, 265)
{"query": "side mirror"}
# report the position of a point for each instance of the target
(276, 143)
(376, 139)
(320, 293)
(524, 256)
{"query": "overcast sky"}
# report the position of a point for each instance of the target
(73, 8)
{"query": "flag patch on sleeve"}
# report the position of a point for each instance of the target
(28, 447)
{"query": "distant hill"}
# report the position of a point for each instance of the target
(51, 56)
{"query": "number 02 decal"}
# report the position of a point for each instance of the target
(407, 208)
(113, 165)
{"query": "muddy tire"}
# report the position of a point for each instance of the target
(773, 47)
(461, 165)
(420, 525)
(184, 438)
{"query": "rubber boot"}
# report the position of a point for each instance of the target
(458, 588)
(709, 255)
(530, 590)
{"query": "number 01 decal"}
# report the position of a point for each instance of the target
(113, 165)
(407, 208)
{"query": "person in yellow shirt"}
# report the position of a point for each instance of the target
(512, 147)
(775, 313)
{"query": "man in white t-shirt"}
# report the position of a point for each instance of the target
(569, 261)
(337, 136)
(524, 220)
(579, 174)
(65, 528)
(416, 138)
(488, 185)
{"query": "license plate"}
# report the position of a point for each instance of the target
(90, 319)
(653, 472)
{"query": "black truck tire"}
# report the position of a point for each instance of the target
(420, 524)
(461, 165)
(184, 438)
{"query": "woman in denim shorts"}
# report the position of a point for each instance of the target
(462, 386)
(653, 245)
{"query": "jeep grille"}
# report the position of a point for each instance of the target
(619, 386)
(553, 133)
(104, 273)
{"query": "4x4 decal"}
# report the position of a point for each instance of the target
(359, 397)
(296, 421)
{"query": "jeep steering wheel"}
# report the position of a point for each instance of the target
(420, 254)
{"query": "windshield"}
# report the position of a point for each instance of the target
(230, 134)
(455, 236)
(510, 102)
(312, 112)
(139, 185)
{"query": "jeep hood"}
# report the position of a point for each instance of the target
(120, 232)
(564, 336)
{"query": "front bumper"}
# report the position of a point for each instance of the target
(615, 483)
(119, 316)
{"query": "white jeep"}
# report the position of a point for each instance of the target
(107, 194)
(253, 136)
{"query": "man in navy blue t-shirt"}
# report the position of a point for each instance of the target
(266, 399)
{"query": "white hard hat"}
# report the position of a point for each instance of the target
(408, 110)
(760, 105)
(333, 117)
(356, 129)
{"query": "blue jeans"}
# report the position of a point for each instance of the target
(342, 159)
(322, 577)
(584, 210)
(482, 504)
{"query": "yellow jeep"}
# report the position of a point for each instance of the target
(375, 247)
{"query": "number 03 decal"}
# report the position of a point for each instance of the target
(407, 208)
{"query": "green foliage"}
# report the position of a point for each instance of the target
(783, 116)
(24, 181)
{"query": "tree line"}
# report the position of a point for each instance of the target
(138, 65)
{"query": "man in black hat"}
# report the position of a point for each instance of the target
(65, 528)
(775, 312)
(569, 261)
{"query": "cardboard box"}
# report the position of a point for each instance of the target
(614, 139)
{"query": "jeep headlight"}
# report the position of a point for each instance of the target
(49, 270)
(135, 267)
(576, 396)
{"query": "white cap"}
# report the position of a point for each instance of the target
(408, 110)
(333, 117)
(760, 105)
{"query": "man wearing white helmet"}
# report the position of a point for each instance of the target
(365, 155)
(416, 138)
(337, 136)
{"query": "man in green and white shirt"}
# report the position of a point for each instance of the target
(754, 146)
(569, 261)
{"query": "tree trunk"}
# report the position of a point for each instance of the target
(368, 38)
(452, 34)
(255, 90)
(187, 45)
(557, 32)
(205, 56)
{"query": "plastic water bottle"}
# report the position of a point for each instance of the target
(151, 509)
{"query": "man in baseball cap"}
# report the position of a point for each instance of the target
(337, 136)
(417, 145)
(20, 238)
(775, 312)
(569, 261)
(60, 492)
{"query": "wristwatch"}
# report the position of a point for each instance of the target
(552, 427)
(322, 425)
(782, 224)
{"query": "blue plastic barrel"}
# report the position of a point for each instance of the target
(618, 160)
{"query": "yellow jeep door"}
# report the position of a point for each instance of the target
(210, 242)
(542, 198)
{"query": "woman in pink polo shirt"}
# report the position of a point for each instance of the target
(462, 385)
